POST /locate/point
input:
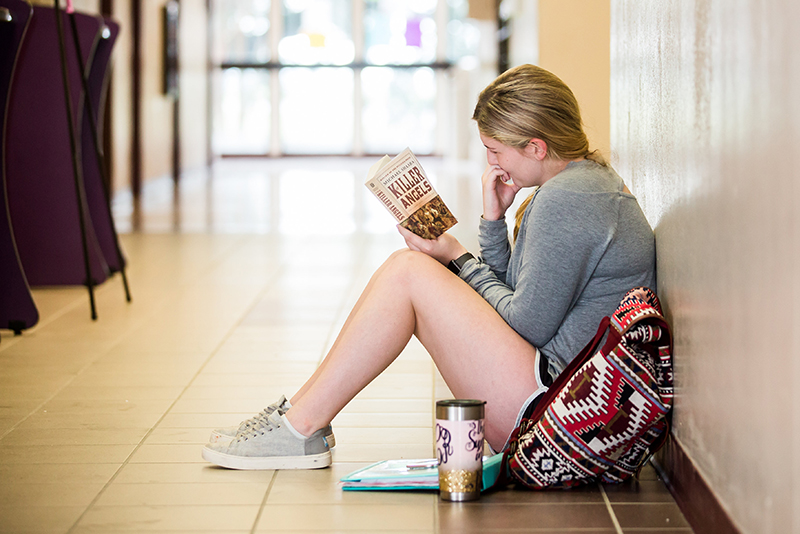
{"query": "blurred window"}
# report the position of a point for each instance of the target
(316, 110)
(241, 29)
(243, 112)
(296, 76)
(400, 32)
(317, 32)
(399, 110)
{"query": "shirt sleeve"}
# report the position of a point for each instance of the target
(495, 248)
(558, 245)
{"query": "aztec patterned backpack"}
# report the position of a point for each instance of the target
(607, 412)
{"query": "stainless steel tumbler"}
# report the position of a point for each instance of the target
(459, 448)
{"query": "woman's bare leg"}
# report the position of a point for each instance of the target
(353, 313)
(478, 354)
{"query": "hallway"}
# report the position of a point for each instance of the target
(236, 296)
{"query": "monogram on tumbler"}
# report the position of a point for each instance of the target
(459, 448)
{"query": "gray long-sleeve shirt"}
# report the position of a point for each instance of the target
(583, 243)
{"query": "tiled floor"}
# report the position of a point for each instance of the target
(236, 297)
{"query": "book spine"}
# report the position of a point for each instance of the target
(387, 199)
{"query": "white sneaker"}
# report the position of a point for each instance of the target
(282, 405)
(271, 444)
(229, 432)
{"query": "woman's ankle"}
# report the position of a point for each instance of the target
(297, 424)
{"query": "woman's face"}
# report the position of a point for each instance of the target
(524, 166)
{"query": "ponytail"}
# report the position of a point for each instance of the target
(521, 213)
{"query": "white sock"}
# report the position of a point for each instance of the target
(292, 429)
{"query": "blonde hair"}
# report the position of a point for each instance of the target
(529, 102)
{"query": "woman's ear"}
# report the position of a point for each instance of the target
(537, 149)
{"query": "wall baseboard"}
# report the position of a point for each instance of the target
(691, 492)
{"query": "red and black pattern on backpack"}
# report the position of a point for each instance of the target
(608, 411)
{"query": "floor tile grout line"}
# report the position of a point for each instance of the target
(435, 505)
(139, 445)
(264, 502)
(42, 324)
(610, 509)
(60, 389)
(77, 302)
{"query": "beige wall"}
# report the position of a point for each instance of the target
(121, 98)
(193, 86)
(78, 5)
(157, 107)
(574, 45)
(705, 124)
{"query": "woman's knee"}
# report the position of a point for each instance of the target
(408, 265)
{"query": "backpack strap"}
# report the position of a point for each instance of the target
(639, 303)
(587, 352)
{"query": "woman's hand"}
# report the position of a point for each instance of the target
(498, 192)
(443, 249)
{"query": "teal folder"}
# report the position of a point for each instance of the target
(411, 475)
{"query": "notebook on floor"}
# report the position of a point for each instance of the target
(410, 475)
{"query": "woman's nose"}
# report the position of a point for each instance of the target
(491, 158)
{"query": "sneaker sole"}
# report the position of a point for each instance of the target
(311, 461)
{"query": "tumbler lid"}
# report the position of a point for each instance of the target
(460, 409)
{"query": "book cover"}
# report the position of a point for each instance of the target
(403, 188)
(411, 475)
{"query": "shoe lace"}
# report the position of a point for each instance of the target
(259, 427)
(261, 416)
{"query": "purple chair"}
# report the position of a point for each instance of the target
(17, 309)
(43, 192)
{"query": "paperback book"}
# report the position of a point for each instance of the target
(403, 188)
